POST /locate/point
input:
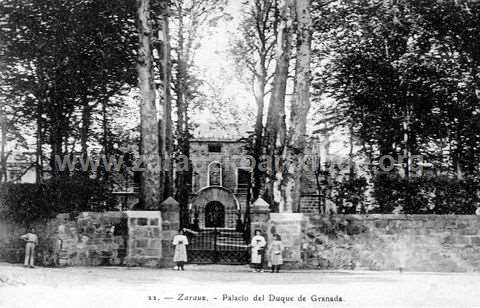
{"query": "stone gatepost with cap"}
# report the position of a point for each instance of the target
(170, 209)
(290, 227)
(259, 216)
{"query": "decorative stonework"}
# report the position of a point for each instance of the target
(259, 216)
(219, 194)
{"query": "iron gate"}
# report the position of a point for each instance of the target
(217, 245)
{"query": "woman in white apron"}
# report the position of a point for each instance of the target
(257, 244)
(180, 242)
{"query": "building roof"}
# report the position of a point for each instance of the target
(221, 132)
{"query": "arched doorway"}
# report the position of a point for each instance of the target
(214, 215)
(217, 240)
(219, 194)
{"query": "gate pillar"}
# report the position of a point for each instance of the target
(170, 209)
(259, 216)
(291, 227)
(144, 238)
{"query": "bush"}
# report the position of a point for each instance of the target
(425, 195)
(25, 203)
(350, 197)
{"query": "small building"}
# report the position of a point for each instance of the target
(21, 167)
(220, 176)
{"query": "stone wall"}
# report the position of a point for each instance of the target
(309, 204)
(91, 238)
(170, 226)
(144, 238)
(11, 246)
(392, 242)
(289, 226)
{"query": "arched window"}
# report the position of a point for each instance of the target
(215, 174)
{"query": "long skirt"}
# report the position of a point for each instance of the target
(257, 255)
(276, 259)
(180, 253)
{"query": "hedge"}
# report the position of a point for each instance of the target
(426, 195)
(25, 203)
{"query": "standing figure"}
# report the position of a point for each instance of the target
(180, 242)
(275, 251)
(258, 244)
(31, 240)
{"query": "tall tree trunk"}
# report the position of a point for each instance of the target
(85, 128)
(275, 126)
(56, 145)
(105, 136)
(350, 154)
(39, 143)
(183, 177)
(148, 111)
(295, 149)
(259, 88)
(166, 141)
(168, 179)
(261, 10)
(406, 141)
(3, 158)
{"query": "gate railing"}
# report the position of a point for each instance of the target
(218, 245)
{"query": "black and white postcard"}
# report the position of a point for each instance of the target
(239, 153)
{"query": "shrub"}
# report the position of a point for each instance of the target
(25, 203)
(350, 196)
(425, 195)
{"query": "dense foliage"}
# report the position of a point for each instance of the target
(26, 203)
(404, 80)
(405, 88)
(401, 77)
(63, 61)
(426, 195)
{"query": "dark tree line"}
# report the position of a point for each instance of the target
(68, 68)
(63, 61)
(404, 75)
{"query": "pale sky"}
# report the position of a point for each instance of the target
(213, 59)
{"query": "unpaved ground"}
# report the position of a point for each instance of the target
(230, 286)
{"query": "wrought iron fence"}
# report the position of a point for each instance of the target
(218, 245)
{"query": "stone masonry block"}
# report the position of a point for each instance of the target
(142, 243)
(475, 240)
(469, 231)
(153, 253)
(156, 244)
